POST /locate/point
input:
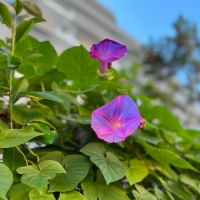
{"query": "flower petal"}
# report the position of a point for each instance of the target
(116, 120)
(112, 136)
(108, 51)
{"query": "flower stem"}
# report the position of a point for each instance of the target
(11, 74)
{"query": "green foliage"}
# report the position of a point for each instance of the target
(5, 181)
(63, 159)
(5, 15)
(38, 176)
(13, 137)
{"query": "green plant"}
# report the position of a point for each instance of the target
(49, 149)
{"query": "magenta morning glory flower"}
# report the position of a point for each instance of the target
(116, 120)
(106, 52)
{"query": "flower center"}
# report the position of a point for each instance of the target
(116, 125)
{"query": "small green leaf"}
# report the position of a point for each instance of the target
(23, 30)
(170, 157)
(194, 183)
(5, 180)
(3, 126)
(17, 6)
(14, 137)
(135, 171)
(38, 176)
(13, 61)
(19, 191)
(72, 195)
(36, 195)
(32, 8)
(4, 63)
(108, 163)
(100, 190)
(41, 127)
(46, 95)
(13, 159)
(76, 167)
(109, 85)
(23, 115)
(161, 195)
(5, 14)
(20, 86)
(142, 194)
(37, 19)
(177, 190)
(83, 120)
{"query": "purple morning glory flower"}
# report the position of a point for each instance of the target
(116, 120)
(106, 52)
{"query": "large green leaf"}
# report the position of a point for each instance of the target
(20, 86)
(169, 157)
(108, 163)
(38, 57)
(142, 194)
(36, 195)
(13, 159)
(5, 180)
(5, 14)
(72, 195)
(161, 195)
(14, 137)
(161, 116)
(32, 8)
(38, 176)
(78, 66)
(45, 95)
(100, 190)
(194, 183)
(23, 115)
(76, 167)
(23, 30)
(55, 155)
(135, 171)
(177, 190)
(19, 191)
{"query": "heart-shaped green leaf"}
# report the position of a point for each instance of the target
(38, 176)
(108, 163)
(100, 190)
(76, 167)
(135, 171)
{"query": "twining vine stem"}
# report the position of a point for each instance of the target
(11, 73)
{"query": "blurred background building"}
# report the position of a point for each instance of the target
(71, 23)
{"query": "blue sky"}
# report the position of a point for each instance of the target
(143, 19)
